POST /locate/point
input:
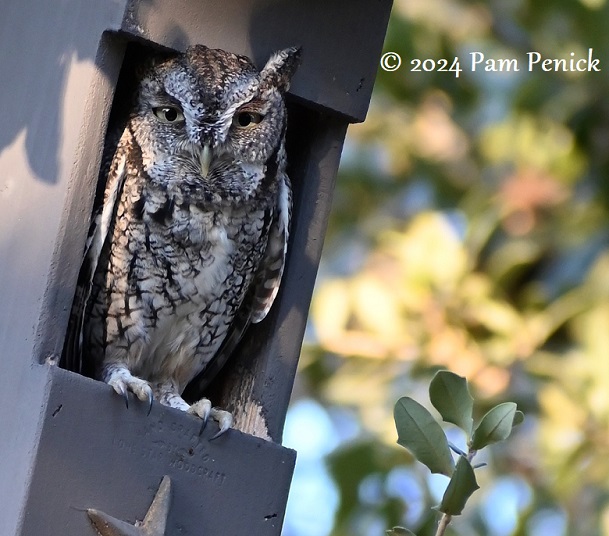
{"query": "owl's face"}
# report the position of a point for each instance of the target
(208, 106)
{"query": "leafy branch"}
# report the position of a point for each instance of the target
(420, 433)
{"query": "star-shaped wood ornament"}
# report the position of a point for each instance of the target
(153, 525)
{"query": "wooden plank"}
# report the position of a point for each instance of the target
(113, 460)
(50, 82)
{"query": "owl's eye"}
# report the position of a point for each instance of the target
(245, 119)
(168, 114)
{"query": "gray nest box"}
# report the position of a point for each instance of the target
(73, 459)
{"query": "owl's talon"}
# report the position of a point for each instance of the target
(218, 434)
(122, 381)
(203, 425)
(204, 411)
(150, 400)
(120, 389)
(204, 420)
(224, 420)
(201, 409)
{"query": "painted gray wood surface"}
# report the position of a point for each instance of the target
(60, 62)
(96, 453)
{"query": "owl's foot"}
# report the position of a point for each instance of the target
(122, 381)
(204, 409)
(167, 394)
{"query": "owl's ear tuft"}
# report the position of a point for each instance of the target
(280, 68)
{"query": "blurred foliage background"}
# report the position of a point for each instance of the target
(470, 231)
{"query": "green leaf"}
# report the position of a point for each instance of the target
(422, 435)
(450, 396)
(399, 531)
(460, 488)
(495, 426)
(518, 418)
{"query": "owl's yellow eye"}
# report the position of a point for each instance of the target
(168, 114)
(245, 119)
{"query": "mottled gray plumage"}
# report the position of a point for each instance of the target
(193, 227)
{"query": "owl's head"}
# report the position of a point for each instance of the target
(209, 104)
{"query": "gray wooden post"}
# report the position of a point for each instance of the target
(67, 443)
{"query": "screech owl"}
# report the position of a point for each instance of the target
(189, 244)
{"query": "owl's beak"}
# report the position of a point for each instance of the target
(205, 160)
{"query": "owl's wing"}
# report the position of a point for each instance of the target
(98, 234)
(268, 278)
